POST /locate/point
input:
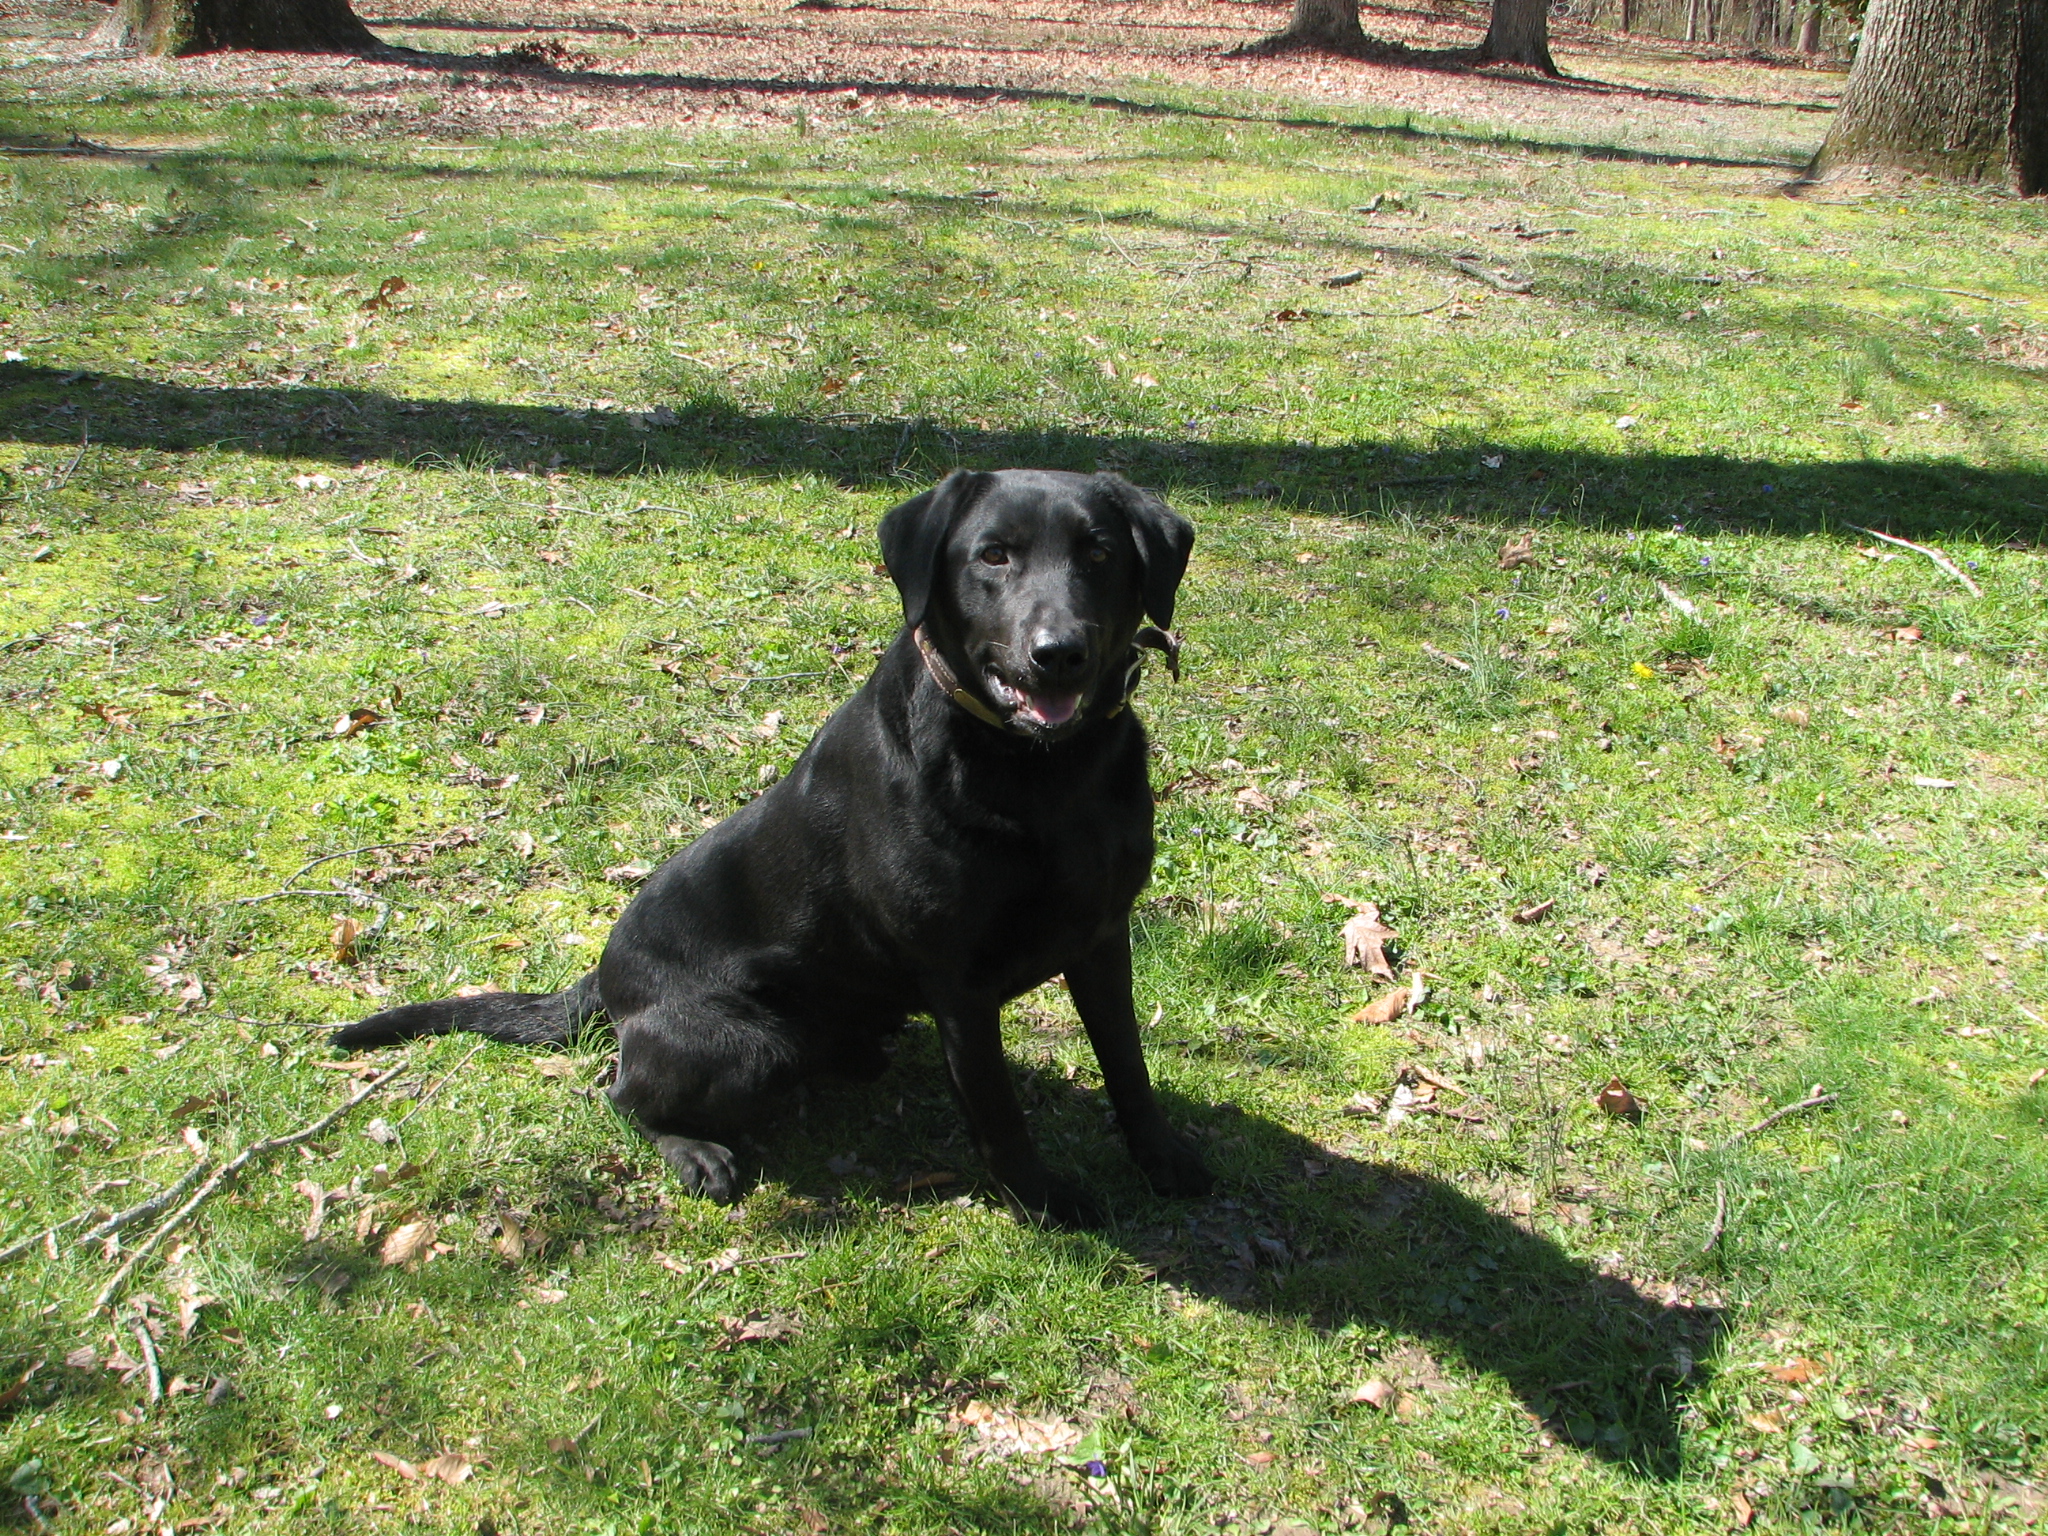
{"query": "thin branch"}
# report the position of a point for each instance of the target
(226, 1172)
(162, 1200)
(149, 1359)
(1921, 549)
(1811, 1101)
(84, 437)
(35, 1240)
(421, 1102)
(1477, 273)
(1720, 1217)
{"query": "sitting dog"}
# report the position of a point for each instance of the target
(974, 821)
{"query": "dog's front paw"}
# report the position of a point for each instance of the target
(1055, 1202)
(1173, 1167)
(705, 1167)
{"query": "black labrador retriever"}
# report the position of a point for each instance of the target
(974, 821)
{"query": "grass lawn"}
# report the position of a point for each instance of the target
(406, 536)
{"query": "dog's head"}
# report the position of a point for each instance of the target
(1033, 584)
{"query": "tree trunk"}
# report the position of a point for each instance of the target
(1692, 21)
(1953, 88)
(1519, 33)
(1626, 8)
(168, 28)
(1810, 28)
(1326, 24)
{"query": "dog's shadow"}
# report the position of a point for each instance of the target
(1297, 1231)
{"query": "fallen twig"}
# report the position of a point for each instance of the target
(1390, 314)
(1445, 657)
(1812, 1101)
(1921, 549)
(778, 1436)
(227, 1171)
(149, 1360)
(162, 1200)
(35, 1240)
(1961, 293)
(725, 1266)
(421, 1102)
(1473, 270)
(1720, 1217)
(64, 479)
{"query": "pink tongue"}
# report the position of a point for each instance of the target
(1051, 708)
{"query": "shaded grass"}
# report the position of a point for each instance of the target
(240, 504)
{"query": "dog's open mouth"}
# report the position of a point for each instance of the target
(1047, 708)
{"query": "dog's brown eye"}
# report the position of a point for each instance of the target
(1097, 553)
(994, 554)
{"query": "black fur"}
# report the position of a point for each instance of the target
(916, 859)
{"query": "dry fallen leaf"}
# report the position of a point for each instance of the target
(1375, 1392)
(402, 1467)
(524, 843)
(998, 1432)
(760, 1327)
(451, 1467)
(631, 873)
(1765, 1423)
(1796, 1370)
(406, 1244)
(1384, 1009)
(1616, 1100)
(356, 720)
(1743, 1510)
(316, 1192)
(1535, 913)
(343, 940)
(1365, 938)
(531, 714)
(1518, 552)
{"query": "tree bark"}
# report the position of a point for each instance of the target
(1331, 25)
(1626, 17)
(1519, 33)
(1952, 88)
(1809, 28)
(168, 28)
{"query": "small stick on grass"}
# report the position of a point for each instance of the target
(1720, 1218)
(162, 1200)
(227, 1171)
(421, 1103)
(35, 1240)
(1477, 273)
(148, 1347)
(1922, 549)
(1812, 1101)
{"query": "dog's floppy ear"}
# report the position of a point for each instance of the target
(1163, 537)
(915, 532)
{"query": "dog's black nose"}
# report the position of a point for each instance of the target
(1059, 658)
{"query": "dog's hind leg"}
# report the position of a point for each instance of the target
(692, 1080)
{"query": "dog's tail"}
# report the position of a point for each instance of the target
(516, 1018)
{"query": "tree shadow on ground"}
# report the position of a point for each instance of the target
(1441, 61)
(1299, 1233)
(1358, 476)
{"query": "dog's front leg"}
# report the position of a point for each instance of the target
(972, 1034)
(1101, 988)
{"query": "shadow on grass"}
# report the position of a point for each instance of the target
(1296, 1232)
(348, 426)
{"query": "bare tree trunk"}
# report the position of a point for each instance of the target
(1626, 18)
(1331, 25)
(1519, 33)
(1692, 21)
(1952, 88)
(1809, 28)
(176, 27)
